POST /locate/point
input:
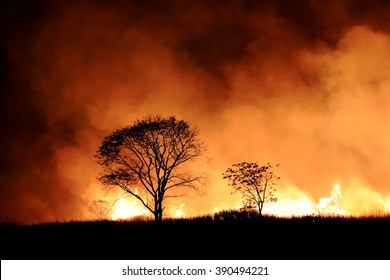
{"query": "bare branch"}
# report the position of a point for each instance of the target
(148, 154)
(254, 182)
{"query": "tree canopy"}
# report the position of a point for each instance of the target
(147, 159)
(254, 182)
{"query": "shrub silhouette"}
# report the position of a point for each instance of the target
(255, 183)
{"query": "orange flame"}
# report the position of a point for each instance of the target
(179, 212)
(331, 205)
(126, 209)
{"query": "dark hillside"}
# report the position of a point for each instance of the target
(229, 235)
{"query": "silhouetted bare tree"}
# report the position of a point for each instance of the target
(145, 159)
(256, 183)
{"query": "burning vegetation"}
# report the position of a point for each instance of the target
(301, 83)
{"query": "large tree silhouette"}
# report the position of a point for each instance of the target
(255, 183)
(146, 160)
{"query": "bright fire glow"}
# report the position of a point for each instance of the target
(288, 205)
(179, 212)
(291, 202)
(331, 205)
(128, 208)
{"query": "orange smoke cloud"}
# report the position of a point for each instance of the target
(265, 81)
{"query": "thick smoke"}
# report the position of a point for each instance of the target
(301, 84)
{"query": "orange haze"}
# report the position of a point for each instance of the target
(303, 84)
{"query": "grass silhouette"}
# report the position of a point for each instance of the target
(223, 235)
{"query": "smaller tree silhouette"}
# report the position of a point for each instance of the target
(255, 183)
(101, 209)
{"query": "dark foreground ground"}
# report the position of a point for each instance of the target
(229, 235)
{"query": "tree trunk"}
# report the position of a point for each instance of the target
(260, 205)
(157, 217)
(158, 213)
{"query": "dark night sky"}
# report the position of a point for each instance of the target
(301, 83)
